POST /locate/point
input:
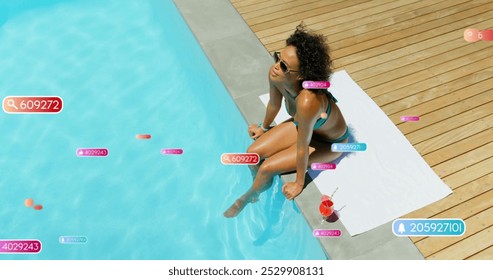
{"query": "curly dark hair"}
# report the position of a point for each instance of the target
(313, 54)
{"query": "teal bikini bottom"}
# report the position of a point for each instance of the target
(340, 139)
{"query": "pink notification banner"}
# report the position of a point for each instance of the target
(172, 151)
(473, 35)
(20, 246)
(327, 233)
(323, 166)
(32, 104)
(316, 84)
(486, 35)
(240, 158)
(409, 118)
(92, 152)
(143, 136)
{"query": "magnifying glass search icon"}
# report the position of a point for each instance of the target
(11, 103)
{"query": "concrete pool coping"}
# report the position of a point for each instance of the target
(234, 51)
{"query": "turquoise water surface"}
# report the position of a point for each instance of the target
(122, 68)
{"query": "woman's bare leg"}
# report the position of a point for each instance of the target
(273, 141)
(319, 152)
(281, 162)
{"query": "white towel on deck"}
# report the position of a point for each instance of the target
(385, 182)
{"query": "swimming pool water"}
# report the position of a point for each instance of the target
(124, 68)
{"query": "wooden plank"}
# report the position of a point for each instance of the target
(467, 247)
(372, 76)
(377, 18)
(413, 44)
(427, 109)
(309, 7)
(456, 149)
(313, 21)
(243, 3)
(268, 10)
(335, 24)
(405, 29)
(431, 82)
(465, 160)
(461, 194)
(474, 224)
(475, 192)
(441, 90)
(454, 116)
(427, 83)
(455, 135)
(465, 210)
(272, 5)
(476, 201)
(419, 75)
(340, 8)
(433, 57)
(470, 173)
(486, 254)
(474, 182)
(338, 25)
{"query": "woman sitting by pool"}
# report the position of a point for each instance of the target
(307, 137)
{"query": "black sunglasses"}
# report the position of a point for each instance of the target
(284, 67)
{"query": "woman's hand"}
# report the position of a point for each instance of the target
(254, 131)
(291, 190)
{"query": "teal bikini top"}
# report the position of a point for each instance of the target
(321, 121)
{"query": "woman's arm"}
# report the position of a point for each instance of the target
(274, 105)
(307, 112)
(275, 99)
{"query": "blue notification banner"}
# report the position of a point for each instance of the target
(348, 147)
(428, 227)
(72, 239)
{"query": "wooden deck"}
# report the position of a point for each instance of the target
(411, 58)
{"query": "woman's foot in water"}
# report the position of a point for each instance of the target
(239, 204)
